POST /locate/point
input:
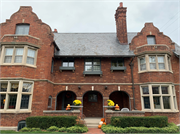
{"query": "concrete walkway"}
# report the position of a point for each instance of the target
(94, 131)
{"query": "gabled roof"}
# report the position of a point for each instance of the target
(92, 44)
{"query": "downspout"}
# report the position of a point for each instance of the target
(131, 66)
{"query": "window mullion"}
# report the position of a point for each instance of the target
(171, 98)
(151, 97)
(166, 62)
(156, 60)
(161, 98)
(13, 55)
(19, 95)
(147, 62)
(2, 55)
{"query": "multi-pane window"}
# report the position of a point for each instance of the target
(154, 62)
(22, 29)
(15, 95)
(117, 63)
(158, 97)
(68, 63)
(142, 63)
(19, 55)
(151, 40)
(92, 65)
(30, 56)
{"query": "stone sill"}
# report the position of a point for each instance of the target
(27, 65)
(125, 112)
(92, 73)
(67, 68)
(60, 111)
(15, 112)
(8, 128)
(155, 71)
(118, 69)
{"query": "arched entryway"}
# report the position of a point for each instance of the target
(64, 98)
(121, 98)
(93, 104)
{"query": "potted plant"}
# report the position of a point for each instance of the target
(77, 104)
(110, 104)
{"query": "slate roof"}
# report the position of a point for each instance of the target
(177, 50)
(92, 44)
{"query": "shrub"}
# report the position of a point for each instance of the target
(53, 128)
(25, 129)
(171, 128)
(63, 129)
(44, 122)
(35, 129)
(77, 129)
(150, 121)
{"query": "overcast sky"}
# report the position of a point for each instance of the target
(96, 16)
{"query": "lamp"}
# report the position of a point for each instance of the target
(79, 87)
(105, 87)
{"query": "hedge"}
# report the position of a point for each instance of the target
(150, 121)
(171, 128)
(45, 122)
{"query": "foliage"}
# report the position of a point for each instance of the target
(110, 103)
(53, 128)
(171, 128)
(77, 129)
(63, 129)
(77, 102)
(150, 121)
(44, 122)
(25, 129)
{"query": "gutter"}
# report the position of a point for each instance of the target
(131, 66)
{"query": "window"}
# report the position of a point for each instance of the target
(22, 29)
(16, 55)
(52, 66)
(49, 102)
(158, 98)
(151, 40)
(21, 124)
(154, 62)
(92, 65)
(67, 64)
(117, 64)
(16, 96)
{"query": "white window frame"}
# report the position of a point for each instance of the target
(173, 105)
(167, 63)
(24, 57)
(19, 96)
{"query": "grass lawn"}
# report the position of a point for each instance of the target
(35, 132)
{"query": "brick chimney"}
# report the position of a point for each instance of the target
(121, 28)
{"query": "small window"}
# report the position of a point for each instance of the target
(68, 63)
(142, 63)
(21, 124)
(49, 101)
(151, 40)
(117, 63)
(92, 97)
(92, 65)
(22, 29)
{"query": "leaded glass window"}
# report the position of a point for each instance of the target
(117, 63)
(14, 87)
(24, 101)
(31, 56)
(3, 87)
(8, 55)
(161, 63)
(12, 101)
(27, 87)
(151, 40)
(22, 29)
(92, 65)
(152, 62)
(68, 63)
(19, 55)
(142, 63)
(3, 99)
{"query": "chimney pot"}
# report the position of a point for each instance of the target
(121, 4)
(55, 31)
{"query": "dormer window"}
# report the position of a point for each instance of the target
(151, 40)
(22, 29)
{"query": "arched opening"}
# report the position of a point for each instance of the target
(121, 98)
(21, 124)
(93, 104)
(64, 98)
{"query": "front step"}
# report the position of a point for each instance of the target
(92, 122)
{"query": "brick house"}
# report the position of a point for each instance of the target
(42, 70)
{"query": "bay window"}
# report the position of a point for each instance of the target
(16, 96)
(150, 62)
(18, 55)
(158, 98)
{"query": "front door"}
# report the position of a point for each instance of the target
(93, 104)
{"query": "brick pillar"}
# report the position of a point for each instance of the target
(105, 104)
(81, 99)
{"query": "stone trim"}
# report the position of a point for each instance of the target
(8, 128)
(79, 97)
(105, 98)
(19, 35)
(60, 111)
(128, 112)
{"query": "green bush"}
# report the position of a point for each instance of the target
(44, 122)
(25, 129)
(171, 128)
(35, 129)
(63, 129)
(53, 128)
(77, 129)
(150, 121)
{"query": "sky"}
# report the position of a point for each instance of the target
(97, 16)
